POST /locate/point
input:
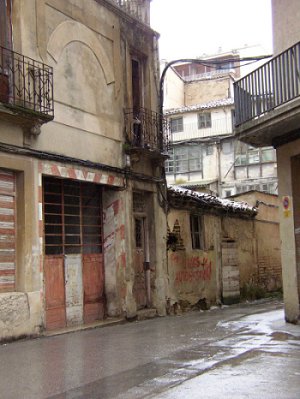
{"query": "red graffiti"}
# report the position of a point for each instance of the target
(123, 259)
(116, 206)
(196, 262)
(175, 258)
(122, 232)
(202, 272)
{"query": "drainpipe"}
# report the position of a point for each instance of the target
(147, 265)
(219, 167)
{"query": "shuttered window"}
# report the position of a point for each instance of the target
(7, 230)
(72, 217)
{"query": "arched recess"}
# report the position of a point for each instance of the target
(72, 31)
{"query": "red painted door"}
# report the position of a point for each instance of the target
(55, 292)
(93, 286)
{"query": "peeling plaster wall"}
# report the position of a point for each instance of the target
(115, 258)
(194, 274)
(20, 314)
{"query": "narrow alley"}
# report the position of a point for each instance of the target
(239, 351)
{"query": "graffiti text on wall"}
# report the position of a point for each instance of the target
(195, 269)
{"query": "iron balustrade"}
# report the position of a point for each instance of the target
(26, 84)
(132, 7)
(269, 86)
(146, 129)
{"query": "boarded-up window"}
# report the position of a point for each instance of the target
(7, 230)
(73, 217)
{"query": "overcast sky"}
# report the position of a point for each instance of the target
(190, 28)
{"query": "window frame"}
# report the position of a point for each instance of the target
(178, 122)
(185, 159)
(72, 212)
(204, 120)
(197, 231)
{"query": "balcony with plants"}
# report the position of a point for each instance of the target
(146, 132)
(267, 101)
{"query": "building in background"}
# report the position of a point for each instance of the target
(204, 153)
(81, 211)
(267, 104)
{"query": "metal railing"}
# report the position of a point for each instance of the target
(273, 84)
(146, 129)
(132, 7)
(210, 74)
(26, 84)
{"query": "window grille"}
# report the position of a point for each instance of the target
(72, 217)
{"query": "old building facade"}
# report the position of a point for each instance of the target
(220, 250)
(204, 153)
(268, 113)
(82, 147)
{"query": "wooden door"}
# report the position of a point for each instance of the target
(73, 226)
(93, 286)
(55, 292)
(139, 286)
(230, 273)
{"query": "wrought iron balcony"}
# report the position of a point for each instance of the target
(26, 86)
(274, 84)
(135, 8)
(146, 130)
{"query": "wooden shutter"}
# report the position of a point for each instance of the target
(7, 230)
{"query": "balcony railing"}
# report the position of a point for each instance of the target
(146, 130)
(275, 83)
(134, 8)
(26, 84)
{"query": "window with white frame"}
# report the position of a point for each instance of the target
(247, 155)
(204, 120)
(268, 154)
(184, 159)
(176, 125)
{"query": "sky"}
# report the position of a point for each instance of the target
(191, 28)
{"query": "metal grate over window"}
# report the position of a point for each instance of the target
(72, 217)
(139, 202)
